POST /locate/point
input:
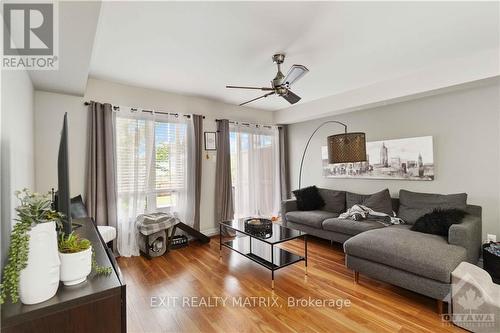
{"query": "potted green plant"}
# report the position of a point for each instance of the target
(75, 254)
(32, 269)
(77, 259)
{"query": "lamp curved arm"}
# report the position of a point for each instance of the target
(309, 141)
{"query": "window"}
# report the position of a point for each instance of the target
(151, 163)
(255, 170)
(170, 163)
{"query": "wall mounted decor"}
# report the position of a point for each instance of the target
(210, 140)
(406, 159)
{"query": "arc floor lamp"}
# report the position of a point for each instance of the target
(342, 148)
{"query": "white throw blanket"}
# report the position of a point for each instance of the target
(360, 212)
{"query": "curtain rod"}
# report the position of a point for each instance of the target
(248, 124)
(117, 108)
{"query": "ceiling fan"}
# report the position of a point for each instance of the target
(280, 85)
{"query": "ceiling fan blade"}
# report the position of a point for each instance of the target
(291, 97)
(295, 73)
(254, 88)
(263, 96)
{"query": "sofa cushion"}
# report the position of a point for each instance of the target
(308, 198)
(334, 200)
(413, 205)
(350, 227)
(397, 246)
(379, 202)
(312, 218)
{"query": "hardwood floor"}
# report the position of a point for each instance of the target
(197, 271)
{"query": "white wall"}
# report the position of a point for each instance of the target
(49, 114)
(50, 107)
(465, 127)
(17, 145)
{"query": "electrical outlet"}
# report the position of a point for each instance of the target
(491, 238)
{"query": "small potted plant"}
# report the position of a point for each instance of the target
(32, 269)
(77, 259)
(75, 254)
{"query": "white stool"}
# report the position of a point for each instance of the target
(108, 233)
(476, 299)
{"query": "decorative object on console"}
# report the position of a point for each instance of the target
(439, 221)
(259, 227)
(77, 259)
(32, 270)
(308, 198)
(342, 148)
(210, 140)
(407, 159)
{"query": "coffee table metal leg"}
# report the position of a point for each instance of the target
(272, 264)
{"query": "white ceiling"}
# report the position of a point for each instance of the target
(198, 48)
(77, 28)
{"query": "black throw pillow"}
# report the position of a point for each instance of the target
(439, 221)
(308, 198)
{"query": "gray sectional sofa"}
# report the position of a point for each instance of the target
(395, 254)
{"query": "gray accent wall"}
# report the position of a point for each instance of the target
(465, 125)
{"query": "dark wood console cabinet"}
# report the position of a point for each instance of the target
(96, 305)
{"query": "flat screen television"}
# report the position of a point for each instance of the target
(63, 194)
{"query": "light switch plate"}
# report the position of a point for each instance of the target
(491, 238)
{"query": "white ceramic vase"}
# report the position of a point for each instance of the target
(75, 267)
(40, 279)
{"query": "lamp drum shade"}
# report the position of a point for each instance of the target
(347, 148)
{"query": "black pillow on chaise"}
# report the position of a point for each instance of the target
(439, 221)
(308, 198)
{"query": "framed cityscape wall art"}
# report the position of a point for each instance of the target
(403, 159)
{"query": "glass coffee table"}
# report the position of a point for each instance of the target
(260, 248)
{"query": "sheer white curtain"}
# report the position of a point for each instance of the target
(155, 171)
(255, 170)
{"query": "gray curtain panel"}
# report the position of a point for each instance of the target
(223, 187)
(284, 165)
(198, 141)
(100, 187)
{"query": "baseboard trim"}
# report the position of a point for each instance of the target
(210, 232)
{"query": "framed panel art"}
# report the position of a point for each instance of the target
(210, 140)
(403, 159)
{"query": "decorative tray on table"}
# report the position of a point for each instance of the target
(259, 227)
